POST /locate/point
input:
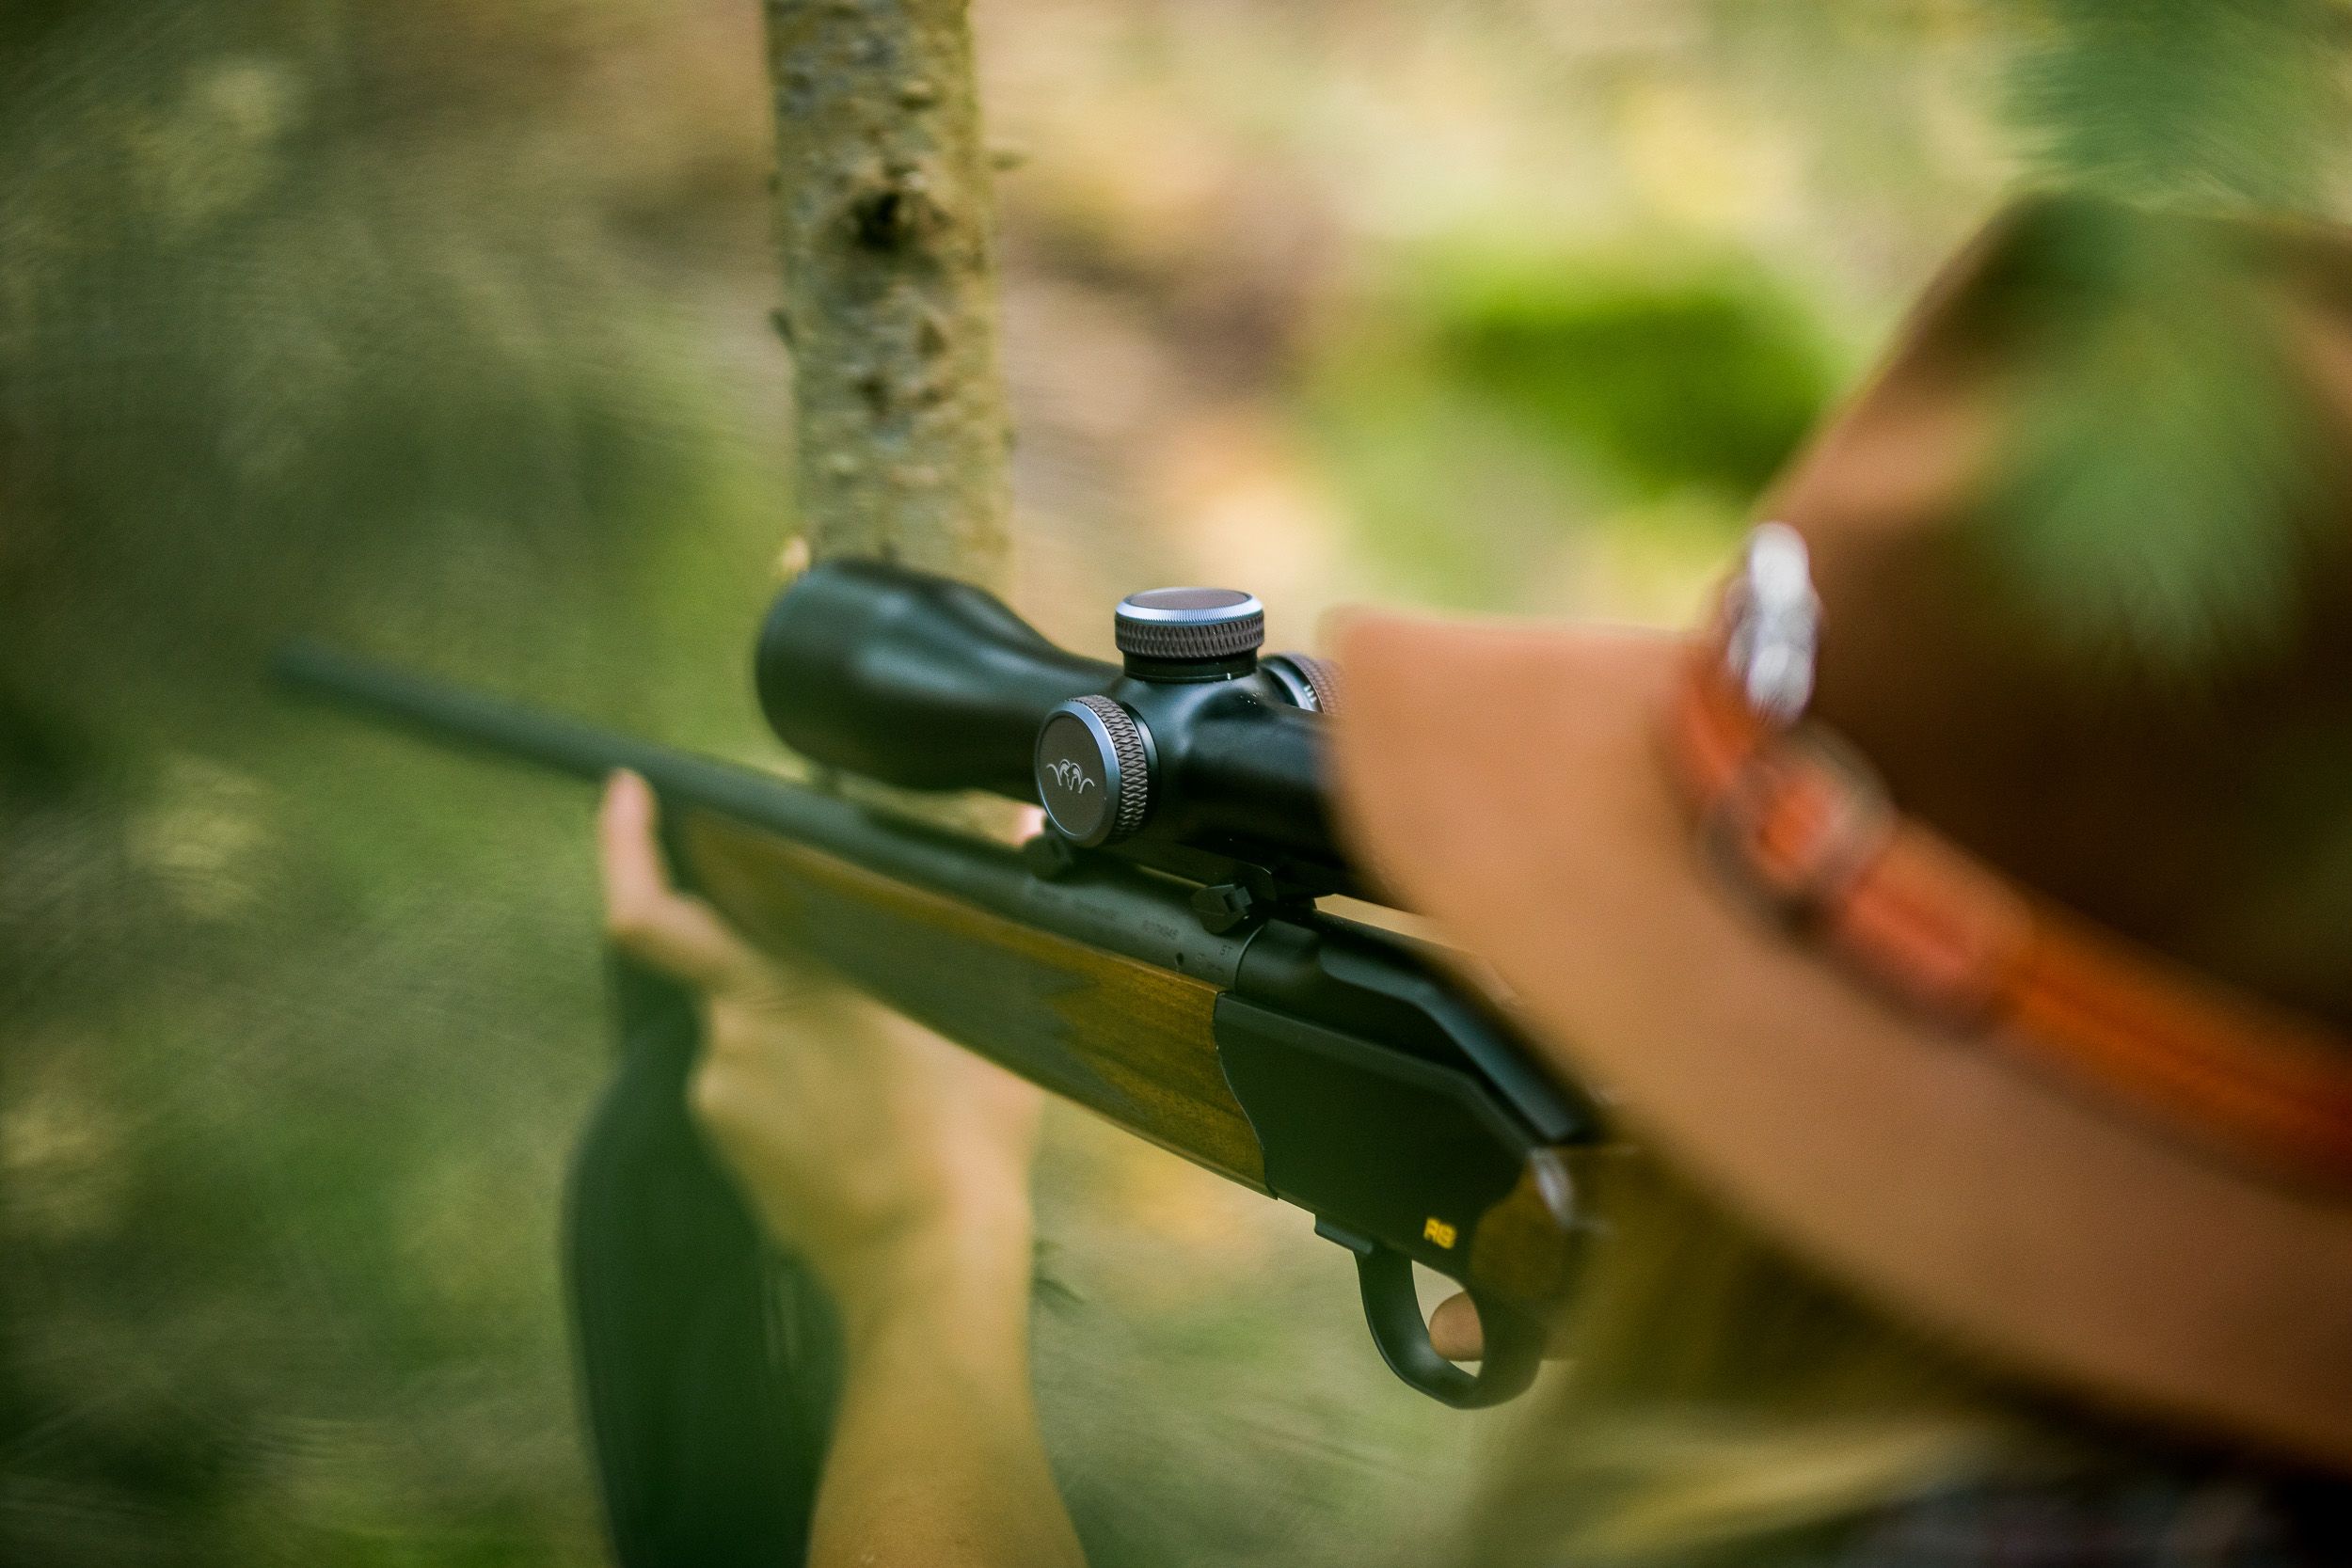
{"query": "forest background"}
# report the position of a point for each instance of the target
(441, 327)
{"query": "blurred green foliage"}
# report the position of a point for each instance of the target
(1661, 378)
(2160, 480)
(2158, 483)
(1496, 404)
(291, 340)
(2160, 100)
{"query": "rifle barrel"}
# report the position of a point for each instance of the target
(451, 715)
(1109, 905)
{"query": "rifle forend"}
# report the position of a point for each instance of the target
(1311, 1058)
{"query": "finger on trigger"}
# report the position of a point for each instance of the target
(1454, 1330)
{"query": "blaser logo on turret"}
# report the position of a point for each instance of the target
(1070, 775)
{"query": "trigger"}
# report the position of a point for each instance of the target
(1514, 1344)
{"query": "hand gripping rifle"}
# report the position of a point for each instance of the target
(1155, 953)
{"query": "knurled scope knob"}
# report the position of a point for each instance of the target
(1311, 683)
(1093, 772)
(1165, 628)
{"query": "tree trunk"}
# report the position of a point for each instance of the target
(882, 216)
(711, 1366)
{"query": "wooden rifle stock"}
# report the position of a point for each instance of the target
(1124, 1038)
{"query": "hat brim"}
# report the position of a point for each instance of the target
(1509, 781)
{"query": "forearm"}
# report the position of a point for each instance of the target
(936, 1458)
(899, 1167)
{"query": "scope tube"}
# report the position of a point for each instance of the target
(927, 683)
(916, 680)
(1252, 772)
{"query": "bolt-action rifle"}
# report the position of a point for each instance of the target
(1156, 954)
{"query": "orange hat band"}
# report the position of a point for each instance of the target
(1799, 820)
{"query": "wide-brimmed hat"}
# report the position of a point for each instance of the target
(1957, 906)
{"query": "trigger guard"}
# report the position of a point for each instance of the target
(1514, 1340)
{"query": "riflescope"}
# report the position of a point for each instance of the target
(1192, 743)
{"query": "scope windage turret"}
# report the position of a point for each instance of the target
(1192, 742)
